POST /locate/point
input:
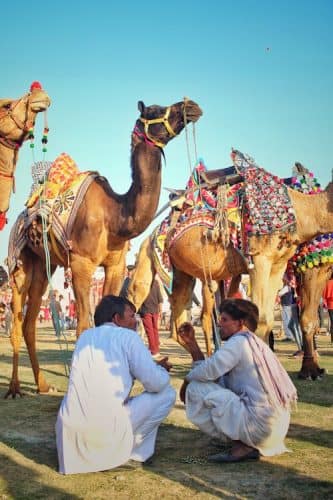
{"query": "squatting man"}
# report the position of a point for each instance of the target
(241, 393)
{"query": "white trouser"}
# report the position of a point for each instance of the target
(146, 412)
(200, 411)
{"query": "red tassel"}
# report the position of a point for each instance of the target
(3, 220)
(35, 85)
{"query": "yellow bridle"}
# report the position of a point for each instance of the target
(163, 119)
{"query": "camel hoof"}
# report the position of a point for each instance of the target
(302, 376)
(13, 394)
(50, 390)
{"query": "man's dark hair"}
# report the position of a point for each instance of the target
(241, 309)
(130, 267)
(109, 306)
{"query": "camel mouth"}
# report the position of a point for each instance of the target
(40, 104)
(193, 111)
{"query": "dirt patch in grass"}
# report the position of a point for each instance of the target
(180, 469)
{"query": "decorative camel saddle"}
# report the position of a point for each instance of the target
(56, 195)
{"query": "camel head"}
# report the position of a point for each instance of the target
(160, 124)
(17, 116)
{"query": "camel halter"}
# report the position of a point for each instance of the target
(163, 119)
(9, 112)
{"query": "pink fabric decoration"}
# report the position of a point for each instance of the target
(274, 377)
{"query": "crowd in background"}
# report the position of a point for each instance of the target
(287, 303)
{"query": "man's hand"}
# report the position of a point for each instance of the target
(165, 363)
(186, 333)
(186, 336)
(182, 391)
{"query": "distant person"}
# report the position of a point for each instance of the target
(150, 312)
(56, 312)
(193, 300)
(241, 393)
(129, 274)
(72, 314)
(166, 313)
(321, 317)
(328, 302)
(99, 425)
(290, 315)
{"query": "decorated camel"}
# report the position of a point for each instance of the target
(104, 223)
(301, 218)
(17, 119)
(141, 281)
(194, 254)
(210, 262)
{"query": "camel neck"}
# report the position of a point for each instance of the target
(140, 203)
(8, 159)
(314, 213)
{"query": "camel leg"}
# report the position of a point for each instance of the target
(234, 285)
(180, 297)
(208, 304)
(36, 291)
(115, 268)
(313, 284)
(142, 277)
(82, 272)
(114, 278)
(266, 280)
(21, 282)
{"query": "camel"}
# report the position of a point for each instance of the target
(17, 119)
(194, 255)
(212, 263)
(270, 254)
(104, 224)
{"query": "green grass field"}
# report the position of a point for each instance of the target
(180, 470)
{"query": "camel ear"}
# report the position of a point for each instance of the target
(141, 107)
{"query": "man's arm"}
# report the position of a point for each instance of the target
(153, 376)
(283, 290)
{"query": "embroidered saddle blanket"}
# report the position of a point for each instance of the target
(57, 200)
(198, 209)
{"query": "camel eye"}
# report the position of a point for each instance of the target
(6, 106)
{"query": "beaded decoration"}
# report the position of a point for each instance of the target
(314, 253)
(304, 181)
(267, 206)
(39, 171)
(31, 135)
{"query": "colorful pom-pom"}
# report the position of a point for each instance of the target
(35, 86)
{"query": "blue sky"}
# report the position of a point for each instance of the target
(97, 60)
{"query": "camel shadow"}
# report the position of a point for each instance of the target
(46, 358)
(313, 435)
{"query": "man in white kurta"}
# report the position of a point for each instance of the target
(99, 426)
(242, 392)
(236, 406)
